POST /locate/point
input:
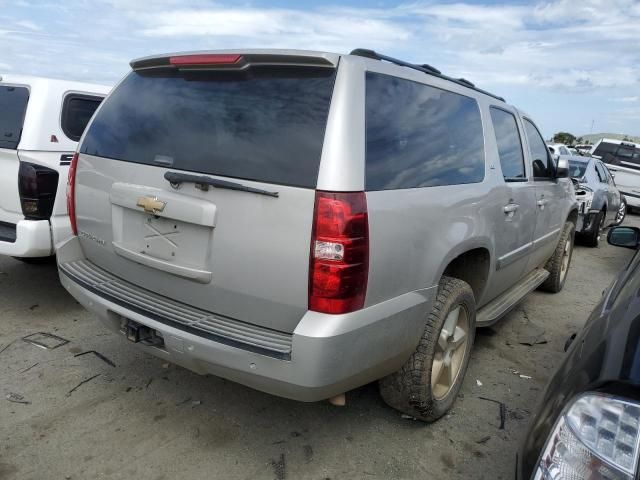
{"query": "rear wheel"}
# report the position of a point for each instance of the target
(558, 264)
(592, 239)
(622, 212)
(428, 384)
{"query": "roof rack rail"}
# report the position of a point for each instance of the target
(428, 69)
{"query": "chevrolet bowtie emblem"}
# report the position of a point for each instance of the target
(151, 204)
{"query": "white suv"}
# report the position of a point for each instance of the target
(41, 122)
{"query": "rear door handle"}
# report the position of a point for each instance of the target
(542, 202)
(511, 208)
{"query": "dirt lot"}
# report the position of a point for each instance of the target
(148, 420)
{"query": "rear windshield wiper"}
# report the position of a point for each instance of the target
(203, 183)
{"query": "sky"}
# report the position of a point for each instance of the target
(572, 65)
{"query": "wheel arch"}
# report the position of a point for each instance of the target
(472, 264)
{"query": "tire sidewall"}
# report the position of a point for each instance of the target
(572, 238)
(626, 209)
(466, 300)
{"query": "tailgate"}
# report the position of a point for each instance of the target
(239, 253)
(13, 105)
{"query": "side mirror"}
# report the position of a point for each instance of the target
(562, 168)
(627, 237)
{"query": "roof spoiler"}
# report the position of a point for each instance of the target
(428, 69)
(227, 61)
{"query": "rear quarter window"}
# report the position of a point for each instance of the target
(265, 123)
(420, 136)
(77, 110)
(13, 105)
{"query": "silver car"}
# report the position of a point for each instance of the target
(305, 222)
(600, 203)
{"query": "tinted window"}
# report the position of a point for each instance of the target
(619, 154)
(77, 110)
(540, 158)
(577, 168)
(606, 151)
(264, 123)
(509, 144)
(13, 105)
(420, 136)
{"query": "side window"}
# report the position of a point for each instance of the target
(13, 105)
(77, 110)
(602, 175)
(509, 145)
(564, 151)
(628, 156)
(420, 136)
(607, 151)
(541, 160)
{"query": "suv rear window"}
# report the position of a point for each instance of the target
(265, 123)
(420, 136)
(77, 110)
(619, 154)
(13, 105)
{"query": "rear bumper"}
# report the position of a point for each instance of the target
(32, 239)
(329, 354)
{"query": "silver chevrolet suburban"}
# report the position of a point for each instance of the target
(305, 223)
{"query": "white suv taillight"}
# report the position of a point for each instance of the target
(71, 193)
(339, 263)
(596, 437)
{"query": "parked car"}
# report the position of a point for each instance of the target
(587, 423)
(304, 223)
(41, 122)
(600, 203)
(583, 149)
(559, 149)
(623, 159)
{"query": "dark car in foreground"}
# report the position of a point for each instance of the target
(601, 203)
(587, 425)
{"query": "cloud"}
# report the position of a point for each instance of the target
(28, 25)
(581, 50)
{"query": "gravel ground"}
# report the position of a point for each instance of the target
(150, 420)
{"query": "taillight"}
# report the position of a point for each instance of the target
(339, 261)
(37, 186)
(71, 193)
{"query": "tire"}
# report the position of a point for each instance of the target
(592, 239)
(410, 389)
(622, 212)
(558, 264)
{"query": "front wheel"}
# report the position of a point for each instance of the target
(428, 384)
(622, 212)
(558, 264)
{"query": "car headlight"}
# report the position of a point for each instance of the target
(595, 438)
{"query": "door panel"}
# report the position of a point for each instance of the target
(513, 236)
(516, 218)
(10, 209)
(549, 198)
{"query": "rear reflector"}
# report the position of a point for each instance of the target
(205, 59)
(339, 262)
(37, 186)
(71, 193)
